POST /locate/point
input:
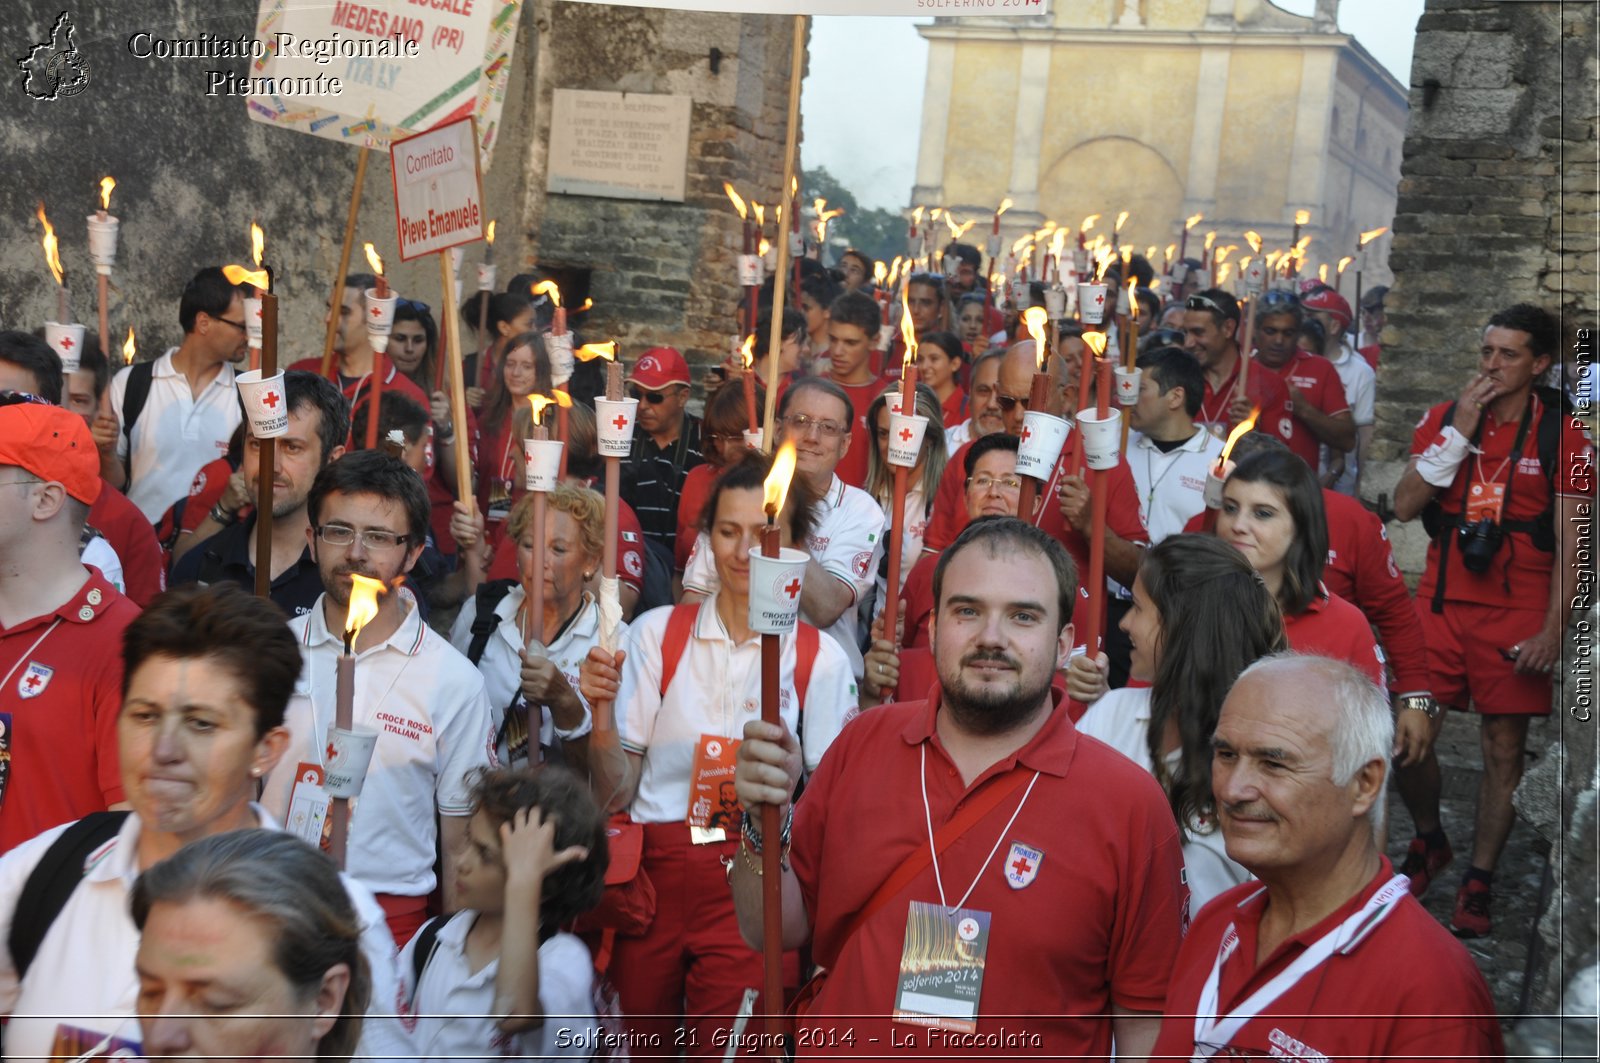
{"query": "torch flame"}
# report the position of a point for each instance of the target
(1371, 235)
(764, 247)
(1272, 259)
(373, 259)
(363, 608)
(563, 400)
(1223, 253)
(1344, 262)
(1302, 217)
(1121, 218)
(1058, 243)
(776, 487)
(1096, 342)
(1088, 223)
(1211, 238)
(916, 216)
(489, 235)
(1151, 252)
(1238, 430)
(747, 352)
(590, 351)
(1005, 205)
(1172, 249)
(1253, 238)
(239, 275)
(539, 402)
(107, 183)
(908, 331)
(958, 231)
(1035, 319)
(128, 348)
(258, 243)
(1133, 303)
(738, 203)
(1020, 242)
(1223, 273)
(52, 251)
(588, 304)
(760, 213)
(1192, 221)
(1301, 247)
(880, 273)
(547, 287)
(1322, 273)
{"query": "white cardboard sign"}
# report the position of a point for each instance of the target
(438, 195)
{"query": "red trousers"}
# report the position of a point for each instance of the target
(405, 916)
(682, 980)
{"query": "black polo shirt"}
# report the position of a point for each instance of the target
(226, 556)
(652, 479)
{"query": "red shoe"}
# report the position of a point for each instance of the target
(1471, 918)
(1422, 863)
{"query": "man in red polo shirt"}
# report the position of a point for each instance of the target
(353, 354)
(1316, 394)
(852, 330)
(1210, 333)
(61, 628)
(1501, 481)
(955, 908)
(1328, 956)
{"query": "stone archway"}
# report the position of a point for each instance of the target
(1091, 177)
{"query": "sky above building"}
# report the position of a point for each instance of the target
(862, 98)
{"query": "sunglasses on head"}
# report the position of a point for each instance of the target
(1201, 302)
(1279, 298)
(413, 305)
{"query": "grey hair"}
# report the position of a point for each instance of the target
(294, 892)
(1363, 726)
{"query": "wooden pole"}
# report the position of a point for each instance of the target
(608, 554)
(797, 62)
(458, 393)
(266, 471)
(105, 315)
(897, 519)
(771, 829)
(343, 715)
(1038, 398)
(344, 260)
(1094, 624)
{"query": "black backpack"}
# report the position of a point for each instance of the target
(52, 882)
(133, 400)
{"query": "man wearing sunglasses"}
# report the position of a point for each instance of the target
(666, 444)
(1210, 330)
(1343, 469)
(191, 406)
(1316, 394)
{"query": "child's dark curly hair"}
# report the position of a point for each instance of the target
(574, 888)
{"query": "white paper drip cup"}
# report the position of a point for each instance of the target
(266, 403)
(1179, 274)
(562, 360)
(1127, 385)
(1255, 279)
(380, 319)
(1092, 302)
(1214, 484)
(252, 322)
(103, 242)
(543, 463)
(1055, 302)
(486, 276)
(992, 248)
(905, 439)
(1102, 438)
(66, 341)
(886, 333)
(615, 419)
(775, 585)
(349, 753)
(1043, 435)
(753, 439)
(750, 271)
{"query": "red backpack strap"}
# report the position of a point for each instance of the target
(680, 625)
(805, 657)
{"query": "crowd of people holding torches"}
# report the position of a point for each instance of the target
(1036, 563)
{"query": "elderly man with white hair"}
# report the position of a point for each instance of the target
(1328, 956)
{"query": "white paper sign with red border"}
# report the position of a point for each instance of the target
(438, 193)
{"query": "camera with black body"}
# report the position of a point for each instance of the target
(1480, 540)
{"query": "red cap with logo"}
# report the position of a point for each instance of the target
(1325, 298)
(660, 367)
(52, 444)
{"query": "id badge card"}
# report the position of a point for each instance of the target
(5, 754)
(713, 801)
(308, 805)
(1485, 501)
(941, 967)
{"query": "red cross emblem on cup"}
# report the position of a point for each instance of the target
(620, 422)
(793, 589)
(905, 435)
(270, 400)
(66, 343)
(1027, 433)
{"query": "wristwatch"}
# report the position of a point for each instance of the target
(222, 516)
(1423, 703)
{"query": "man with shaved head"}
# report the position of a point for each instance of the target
(1328, 956)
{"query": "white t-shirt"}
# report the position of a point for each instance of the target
(1360, 389)
(715, 690)
(103, 556)
(428, 705)
(957, 435)
(847, 540)
(450, 1012)
(501, 663)
(83, 977)
(1121, 719)
(176, 433)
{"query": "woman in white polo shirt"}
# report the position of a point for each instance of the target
(517, 673)
(668, 712)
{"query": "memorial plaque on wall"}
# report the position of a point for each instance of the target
(622, 145)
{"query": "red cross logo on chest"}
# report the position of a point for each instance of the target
(32, 682)
(1021, 866)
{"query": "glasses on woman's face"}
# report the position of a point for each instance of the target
(1006, 485)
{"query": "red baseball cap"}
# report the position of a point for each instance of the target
(1325, 298)
(660, 367)
(53, 444)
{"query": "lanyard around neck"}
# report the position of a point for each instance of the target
(927, 814)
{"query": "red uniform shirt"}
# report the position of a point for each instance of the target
(1519, 572)
(1114, 864)
(1371, 352)
(144, 568)
(1319, 384)
(1332, 627)
(1264, 389)
(852, 468)
(1361, 570)
(696, 491)
(1407, 991)
(954, 409)
(59, 702)
(916, 601)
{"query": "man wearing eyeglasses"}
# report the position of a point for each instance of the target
(1210, 330)
(426, 702)
(1316, 394)
(191, 407)
(666, 444)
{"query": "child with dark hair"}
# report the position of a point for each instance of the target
(501, 977)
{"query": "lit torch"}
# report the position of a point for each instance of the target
(129, 350)
(1189, 223)
(363, 608)
(52, 257)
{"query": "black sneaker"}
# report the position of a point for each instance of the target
(1423, 862)
(1471, 918)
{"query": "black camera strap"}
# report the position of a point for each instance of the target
(1446, 539)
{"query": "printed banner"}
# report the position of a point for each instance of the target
(890, 8)
(438, 195)
(376, 71)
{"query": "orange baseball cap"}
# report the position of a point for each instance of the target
(53, 444)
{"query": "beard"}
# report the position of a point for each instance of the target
(992, 709)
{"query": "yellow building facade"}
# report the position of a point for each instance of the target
(1235, 109)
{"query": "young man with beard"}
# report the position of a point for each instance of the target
(319, 421)
(955, 802)
(369, 517)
